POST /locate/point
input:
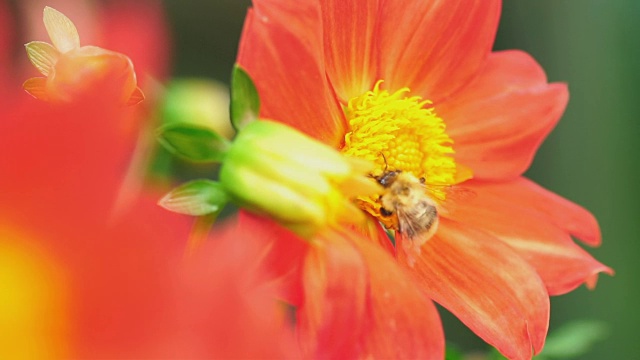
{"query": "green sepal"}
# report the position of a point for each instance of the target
(196, 197)
(245, 102)
(193, 142)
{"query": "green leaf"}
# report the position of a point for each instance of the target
(245, 102)
(193, 142)
(197, 198)
(574, 339)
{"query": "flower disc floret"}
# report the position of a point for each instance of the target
(399, 132)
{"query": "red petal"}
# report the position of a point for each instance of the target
(137, 29)
(561, 263)
(435, 47)
(282, 256)
(36, 87)
(487, 286)
(564, 214)
(228, 308)
(336, 287)
(348, 30)
(500, 119)
(281, 49)
(403, 323)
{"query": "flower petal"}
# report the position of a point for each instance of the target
(281, 50)
(36, 87)
(435, 47)
(348, 31)
(139, 30)
(62, 32)
(564, 214)
(561, 263)
(336, 288)
(136, 97)
(283, 256)
(42, 55)
(498, 122)
(227, 306)
(487, 286)
(403, 323)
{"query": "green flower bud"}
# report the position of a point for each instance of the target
(275, 170)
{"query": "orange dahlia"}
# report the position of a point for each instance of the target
(414, 87)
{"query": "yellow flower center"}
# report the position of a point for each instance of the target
(403, 133)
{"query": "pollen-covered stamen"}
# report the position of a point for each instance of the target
(399, 133)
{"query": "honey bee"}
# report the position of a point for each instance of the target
(407, 197)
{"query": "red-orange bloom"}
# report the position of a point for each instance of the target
(414, 87)
(83, 278)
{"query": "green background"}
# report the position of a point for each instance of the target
(590, 158)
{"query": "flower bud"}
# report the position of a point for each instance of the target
(305, 185)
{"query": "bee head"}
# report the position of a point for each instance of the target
(387, 178)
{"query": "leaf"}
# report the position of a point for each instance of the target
(245, 102)
(197, 198)
(42, 55)
(61, 30)
(193, 142)
(574, 339)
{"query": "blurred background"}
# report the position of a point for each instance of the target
(591, 158)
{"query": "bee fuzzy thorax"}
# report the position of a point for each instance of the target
(412, 212)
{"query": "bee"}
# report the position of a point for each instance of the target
(407, 198)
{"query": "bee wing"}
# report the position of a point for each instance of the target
(418, 224)
(448, 196)
(408, 223)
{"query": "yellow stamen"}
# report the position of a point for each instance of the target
(399, 132)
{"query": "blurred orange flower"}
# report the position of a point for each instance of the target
(414, 87)
(72, 71)
(80, 280)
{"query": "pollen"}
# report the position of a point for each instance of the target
(399, 132)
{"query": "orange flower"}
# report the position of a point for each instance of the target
(80, 280)
(414, 87)
(73, 71)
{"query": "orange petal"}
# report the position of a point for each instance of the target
(403, 323)
(487, 286)
(561, 263)
(61, 30)
(564, 214)
(138, 29)
(498, 122)
(227, 305)
(281, 49)
(435, 47)
(283, 255)
(136, 97)
(331, 319)
(42, 55)
(349, 45)
(36, 87)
